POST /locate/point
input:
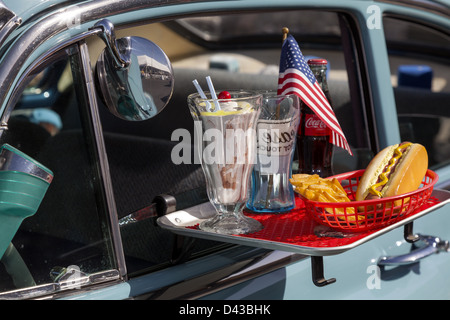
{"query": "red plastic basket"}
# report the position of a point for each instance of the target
(365, 215)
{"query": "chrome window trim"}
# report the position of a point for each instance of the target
(103, 163)
(70, 285)
(9, 21)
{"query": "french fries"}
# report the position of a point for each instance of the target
(315, 188)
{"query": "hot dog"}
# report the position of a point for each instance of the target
(395, 170)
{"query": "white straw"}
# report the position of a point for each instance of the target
(201, 93)
(213, 92)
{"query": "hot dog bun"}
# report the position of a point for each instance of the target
(404, 166)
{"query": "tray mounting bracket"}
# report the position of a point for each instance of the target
(408, 233)
(317, 272)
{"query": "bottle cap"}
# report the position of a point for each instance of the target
(317, 62)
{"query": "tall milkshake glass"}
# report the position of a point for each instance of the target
(226, 145)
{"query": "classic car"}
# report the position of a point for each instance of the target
(94, 231)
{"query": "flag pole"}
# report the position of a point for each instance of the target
(285, 32)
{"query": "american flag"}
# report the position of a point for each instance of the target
(297, 78)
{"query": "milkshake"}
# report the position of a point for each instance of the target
(227, 148)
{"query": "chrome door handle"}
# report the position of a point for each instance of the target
(432, 245)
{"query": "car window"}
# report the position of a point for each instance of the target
(140, 153)
(66, 237)
(420, 73)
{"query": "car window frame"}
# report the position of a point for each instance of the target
(361, 88)
(92, 127)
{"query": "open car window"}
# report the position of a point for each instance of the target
(140, 154)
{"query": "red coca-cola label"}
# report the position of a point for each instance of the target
(314, 126)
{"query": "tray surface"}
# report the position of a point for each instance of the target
(294, 231)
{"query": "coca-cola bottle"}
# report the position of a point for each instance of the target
(315, 151)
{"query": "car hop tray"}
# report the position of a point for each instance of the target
(299, 231)
(294, 231)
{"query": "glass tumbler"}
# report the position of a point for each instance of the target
(225, 134)
(277, 127)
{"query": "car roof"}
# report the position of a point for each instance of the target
(27, 9)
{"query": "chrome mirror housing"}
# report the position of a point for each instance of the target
(133, 75)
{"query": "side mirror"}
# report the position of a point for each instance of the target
(134, 76)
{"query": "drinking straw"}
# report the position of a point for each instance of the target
(201, 93)
(213, 92)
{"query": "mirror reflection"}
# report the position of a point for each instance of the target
(139, 88)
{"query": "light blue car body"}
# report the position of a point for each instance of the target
(356, 272)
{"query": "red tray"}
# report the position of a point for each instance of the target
(295, 231)
(366, 215)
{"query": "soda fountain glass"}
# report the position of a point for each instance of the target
(226, 145)
(276, 132)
